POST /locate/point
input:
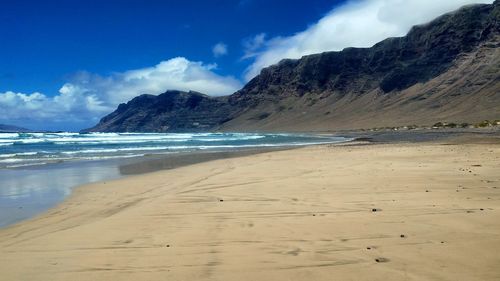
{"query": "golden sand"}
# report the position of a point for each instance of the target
(368, 212)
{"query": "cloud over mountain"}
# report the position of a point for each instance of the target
(87, 97)
(354, 24)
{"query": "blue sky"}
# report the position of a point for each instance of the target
(65, 64)
(45, 42)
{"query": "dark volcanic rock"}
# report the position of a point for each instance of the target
(172, 111)
(446, 70)
(393, 64)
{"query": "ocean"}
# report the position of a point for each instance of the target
(30, 149)
(39, 170)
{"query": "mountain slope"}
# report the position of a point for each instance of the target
(446, 70)
(171, 111)
(12, 129)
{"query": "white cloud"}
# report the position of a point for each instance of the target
(219, 49)
(177, 73)
(87, 97)
(37, 110)
(355, 24)
(252, 45)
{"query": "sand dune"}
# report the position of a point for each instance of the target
(367, 212)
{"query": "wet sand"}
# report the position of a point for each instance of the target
(403, 211)
(28, 191)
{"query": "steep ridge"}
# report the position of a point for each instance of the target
(171, 111)
(446, 70)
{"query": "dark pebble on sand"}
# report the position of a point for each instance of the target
(168, 246)
(221, 200)
(402, 236)
(368, 248)
(481, 209)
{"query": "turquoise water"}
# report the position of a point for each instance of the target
(30, 149)
(39, 170)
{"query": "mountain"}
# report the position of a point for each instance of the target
(445, 70)
(171, 111)
(12, 129)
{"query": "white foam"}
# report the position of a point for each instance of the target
(242, 138)
(14, 160)
(8, 135)
(27, 141)
(26, 153)
(120, 138)
(26, 165)
(95, 146)
(7, 155)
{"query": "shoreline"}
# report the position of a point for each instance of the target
(275, 216)
(126, 167)
(76, 173)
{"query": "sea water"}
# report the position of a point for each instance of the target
(29, 149)
(38, 170)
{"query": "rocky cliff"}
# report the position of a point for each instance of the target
(446, 70)
(171, 111)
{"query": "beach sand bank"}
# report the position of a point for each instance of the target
(407, 211)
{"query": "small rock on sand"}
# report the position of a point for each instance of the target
(381, 260)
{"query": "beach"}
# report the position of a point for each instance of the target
(29, 161)
(358, 211)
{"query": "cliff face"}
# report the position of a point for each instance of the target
(171, 111)
(448, 69)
